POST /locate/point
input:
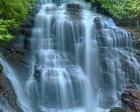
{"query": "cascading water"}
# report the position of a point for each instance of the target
(80, 61)
(10, 74)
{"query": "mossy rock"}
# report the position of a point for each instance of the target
(117, 109)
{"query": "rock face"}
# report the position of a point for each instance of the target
(6, 92)
(118, 109)
(131, 100)
(73, 7)
(1, 67)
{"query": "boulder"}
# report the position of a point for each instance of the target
(118, 109)
(131, 100)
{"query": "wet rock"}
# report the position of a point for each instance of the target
(26, 27)
(35, 10)
(118, 109)
(37, 72)
(28, 24)
(128, 68)
(4, 106)
(73, 11)
(27, 44)
(131, 100)
(73, 7)
(130, 85)
(1, 67)
(99, 23)
(26, 31)
(7, 92)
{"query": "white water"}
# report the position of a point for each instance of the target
(77, 61)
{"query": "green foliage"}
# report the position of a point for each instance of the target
(5, 26)
(121, 8)
(12, 13)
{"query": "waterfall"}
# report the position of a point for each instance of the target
(80, 61)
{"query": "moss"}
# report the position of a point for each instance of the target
(12, 13)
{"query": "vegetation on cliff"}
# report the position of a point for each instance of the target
(120, 9)
(12, 13)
